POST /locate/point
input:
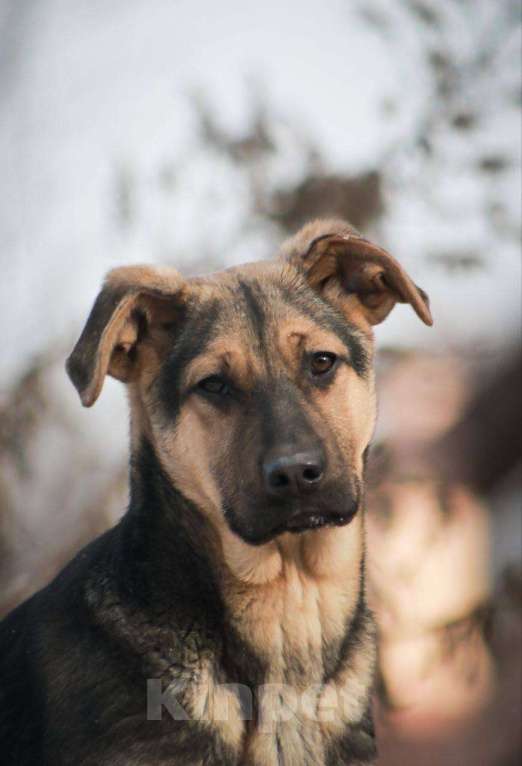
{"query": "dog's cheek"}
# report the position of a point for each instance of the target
(185, 449)
(362, 415)
(350, 410)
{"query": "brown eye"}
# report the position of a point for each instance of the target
(214, 385)
(322, 362)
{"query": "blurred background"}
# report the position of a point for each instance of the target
(200, 134)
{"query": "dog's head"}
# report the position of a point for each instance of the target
(254, 385)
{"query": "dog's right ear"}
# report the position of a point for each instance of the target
(133, 303)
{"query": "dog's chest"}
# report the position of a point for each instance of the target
(297, 629)
(295, 626)
(293, 631)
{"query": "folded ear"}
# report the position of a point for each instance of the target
(134, 302)
(333, 253)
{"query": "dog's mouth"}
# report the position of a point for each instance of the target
(313, 519)
(304, 522)
(296, 520)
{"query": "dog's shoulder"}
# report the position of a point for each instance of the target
(33, 644)
(75, 658)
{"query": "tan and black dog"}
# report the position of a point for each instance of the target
(223, 620)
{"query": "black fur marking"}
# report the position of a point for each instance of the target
(366, 456)
(158, 535)
(282, 417)
(255, 309)
(356, 746)
(358, 354)
(192, 337)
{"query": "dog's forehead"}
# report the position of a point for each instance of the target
(267, 276)
(251, 293)
(256, 306)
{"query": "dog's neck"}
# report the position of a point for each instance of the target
(166, 544)
(295, 600)
(294, 597)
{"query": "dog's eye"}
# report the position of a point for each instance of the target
(214, 385)
(322, 362)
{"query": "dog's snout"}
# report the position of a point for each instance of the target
(288, 472)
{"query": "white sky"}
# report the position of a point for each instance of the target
(90, 89)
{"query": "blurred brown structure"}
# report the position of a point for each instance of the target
(485, 445)
(450, 636)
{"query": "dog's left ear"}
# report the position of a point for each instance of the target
(135, 309)
(333, 254)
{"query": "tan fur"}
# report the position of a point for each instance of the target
(293, 614)
(218, 706)
(308, 599)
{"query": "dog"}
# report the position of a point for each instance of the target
(223, 620)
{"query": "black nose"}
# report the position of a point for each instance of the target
(287, 472)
